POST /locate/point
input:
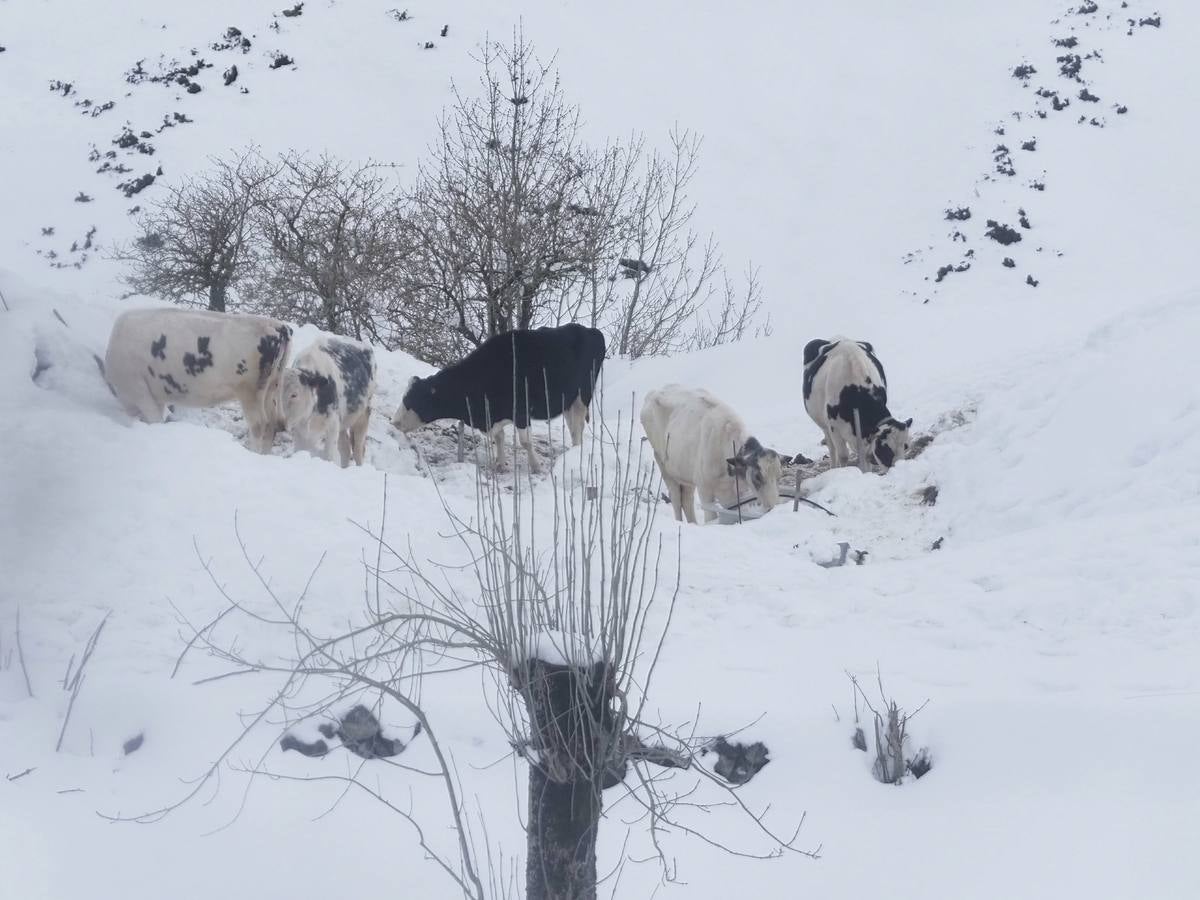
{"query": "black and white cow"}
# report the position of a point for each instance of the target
(325, 400)
(158, 357)
(842, 377)
(702, 446)
(518, 377)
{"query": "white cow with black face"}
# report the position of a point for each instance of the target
(326, 399)
(843, 377)
(702, 446)
(160, 357)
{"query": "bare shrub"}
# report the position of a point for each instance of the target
(567, 614)
(197, 242)
(500, 210)
(332, 245)
(518, 223)
(892, 757)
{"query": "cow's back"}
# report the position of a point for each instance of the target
(837, 365)
(691, 431)
(195, 357)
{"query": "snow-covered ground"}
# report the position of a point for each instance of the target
(1054, 632)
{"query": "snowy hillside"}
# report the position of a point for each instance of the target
(1053, 630)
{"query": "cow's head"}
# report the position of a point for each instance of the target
(890, 444)
(761, 468)
(296, 401)
(417, 406)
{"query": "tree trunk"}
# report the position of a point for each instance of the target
(561, 838)
(571, 753)
(216, 296)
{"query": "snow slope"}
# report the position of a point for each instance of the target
(1054, 632)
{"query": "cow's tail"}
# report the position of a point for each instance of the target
(104, 374)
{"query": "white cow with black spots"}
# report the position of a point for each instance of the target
(702, 446)
(162, 357)
(326, 398)
(841, 378)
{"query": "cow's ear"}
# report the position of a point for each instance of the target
(411, 382)
(735, 465)
(908, 423)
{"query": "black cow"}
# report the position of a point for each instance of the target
(518, 377)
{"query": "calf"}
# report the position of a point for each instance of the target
(692, 434)
(184, 357)
(325, 399)
(516, 377)
(841, 378)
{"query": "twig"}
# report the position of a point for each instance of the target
(4, 302)
(76, 683)
(22, 774)
(21, 655)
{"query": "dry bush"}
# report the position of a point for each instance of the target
(197, 243)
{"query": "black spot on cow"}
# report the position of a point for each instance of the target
(871, 403)
(884, 454)
(815, 354)
(158, 349)
(197, 362)
(170, 385)
(324, 387)
(356, 366)
(270, 349)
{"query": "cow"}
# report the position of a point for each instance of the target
(161, 357)
(518, 377)
(843, 377)
(693, 434)
(325, 399)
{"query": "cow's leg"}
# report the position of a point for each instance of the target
(577, 414)
(688, 497)
(675, 492)
(343, 442)
(526, 440)
(262, 432)
(501, 447)
(331, 439)
(837, 451)
(358, 436)
(140, 403)
(707, 500)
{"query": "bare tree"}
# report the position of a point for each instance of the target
(568, 616)
(196, 243)
(502, 210)
(333, 244)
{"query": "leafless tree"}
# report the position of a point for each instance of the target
(503, 209)
(196, 242)
(333, 244)
(568, 613)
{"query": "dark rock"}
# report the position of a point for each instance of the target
(1067, 42)
(929, 495)
(136, 185)
(737, 763)
(1031, 281)
(1023, 218)
(279, 60)
(1002, 234)
(295, 11)
(959, 214)
(1069, 65)
(445, 30)
(1152, 21)
(1009, 263)
(193, 88)
(428, 45)
(1122, 109)
(1029, 145)
(1088, 96)
(945, 270)
(1023, 71)
(81, 197)
(937, 545)
(134, 743)
(231, 75)
(1038, 185)
(920, 764)
(1088, 7)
